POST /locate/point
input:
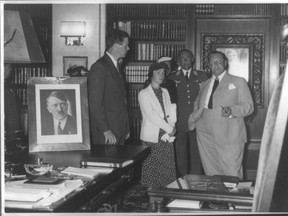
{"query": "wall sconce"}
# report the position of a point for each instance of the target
(74, 32)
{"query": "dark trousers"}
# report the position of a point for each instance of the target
(187, 154)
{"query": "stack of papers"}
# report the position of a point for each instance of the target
(85, 172)
(106, 162)
(25, 194)
(102, 170)
(185, 204)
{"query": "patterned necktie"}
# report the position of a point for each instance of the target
(216, 83)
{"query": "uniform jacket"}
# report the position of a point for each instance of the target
(107, 99)
(153, 115)
(48, 126)
(231, 92)
(187, 92)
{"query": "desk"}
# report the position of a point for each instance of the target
(99, 190)
(160, 195)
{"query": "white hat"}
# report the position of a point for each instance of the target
(164, 59)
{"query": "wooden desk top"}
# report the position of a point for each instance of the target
(74, 201)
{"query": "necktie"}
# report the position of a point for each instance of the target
(210, 104)
(186, 76)
(59, 129)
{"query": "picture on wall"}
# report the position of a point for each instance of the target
(74, 61)
(58, 114)
(238, 60)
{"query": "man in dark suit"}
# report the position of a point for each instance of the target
(61, 122)
(107, 93)
(188, 83)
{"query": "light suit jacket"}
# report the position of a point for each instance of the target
(153, 115)
(232, 92)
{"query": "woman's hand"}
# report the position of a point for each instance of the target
(173, 132)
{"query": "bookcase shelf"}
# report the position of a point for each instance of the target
(283, 47)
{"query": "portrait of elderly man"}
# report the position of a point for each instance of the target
(58, 121)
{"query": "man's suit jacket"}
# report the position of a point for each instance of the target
(231, 92)
(153, 115)
(187, 92)
(107, 100)
(48, 126)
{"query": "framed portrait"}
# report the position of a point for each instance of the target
(58, 114)
(73, 61)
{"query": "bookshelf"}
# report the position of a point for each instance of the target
(155, 30)
(283, 47)
(41, 15)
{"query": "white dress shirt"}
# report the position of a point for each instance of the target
(211, 87)
(62, 125)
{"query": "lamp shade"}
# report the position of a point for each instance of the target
(73, 29)
(21, 44)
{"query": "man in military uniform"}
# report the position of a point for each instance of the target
(188, 83)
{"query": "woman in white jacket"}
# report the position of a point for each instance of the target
(158, 129)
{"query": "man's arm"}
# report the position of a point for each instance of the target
(96, 90)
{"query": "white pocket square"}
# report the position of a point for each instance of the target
(231, 86)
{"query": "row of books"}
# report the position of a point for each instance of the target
(283, 53)
(21, 95)
(284, 10)
(22, 73)
(242, 9)
(166, 30)
(152, 52)
(232, 9)
(150, 10)
(133, 98)
(136, 74)
(135, 133)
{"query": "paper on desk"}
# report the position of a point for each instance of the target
(179, 183)
(181, 203)
(102, 170)
(25, 194)
(85, 172)
(55, 193)
(244, 185)
(70, 186)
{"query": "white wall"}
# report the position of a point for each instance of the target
(94, 44)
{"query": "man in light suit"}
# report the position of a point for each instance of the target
(218, 116)
(107, 93)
